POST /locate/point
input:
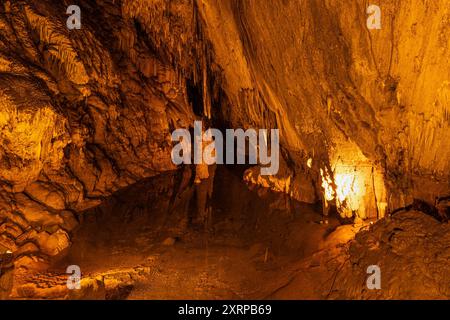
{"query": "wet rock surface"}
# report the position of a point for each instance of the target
(411, 250)
(85, 114)
(88, 112)
(238, 252)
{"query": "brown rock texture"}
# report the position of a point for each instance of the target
(84, 113)
(412, 252)
(410, 249)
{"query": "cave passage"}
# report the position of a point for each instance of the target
(221, 238)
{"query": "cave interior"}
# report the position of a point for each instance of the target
(91, 94)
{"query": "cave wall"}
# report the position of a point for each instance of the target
(84, 113)
(339, 89)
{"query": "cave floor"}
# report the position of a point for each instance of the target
(146, 245)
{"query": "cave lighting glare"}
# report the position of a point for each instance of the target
(348, 189)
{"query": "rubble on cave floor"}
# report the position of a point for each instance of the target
(87, 117)
(410, 248)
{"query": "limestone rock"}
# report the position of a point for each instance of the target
(411, 250)
(298, 186)
(91, 289)
(53, 244)
(86, 113)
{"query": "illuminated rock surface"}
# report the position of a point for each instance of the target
(86, 113)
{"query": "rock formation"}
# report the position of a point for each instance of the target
(87, 112)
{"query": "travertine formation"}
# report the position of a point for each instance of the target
(84, 113)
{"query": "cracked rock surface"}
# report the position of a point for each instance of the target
(86, 113)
